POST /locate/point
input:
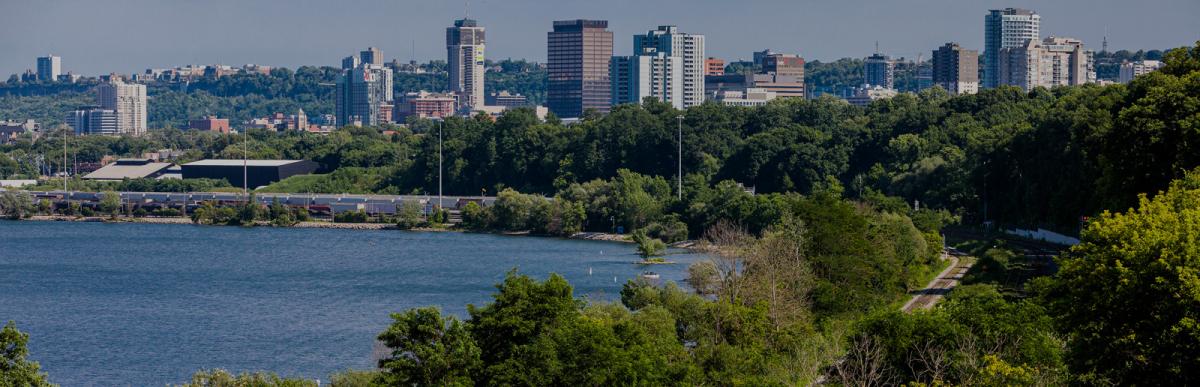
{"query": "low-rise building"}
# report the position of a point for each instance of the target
(257, 173)
(503, 98)
(211, 124)
(714, 66)
(11, 130)
(1130, 70)
(864, 95)
(749, 97)
(130, 169)
(424, 104)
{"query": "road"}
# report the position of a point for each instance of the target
(929, 296)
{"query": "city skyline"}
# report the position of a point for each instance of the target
(292, 34)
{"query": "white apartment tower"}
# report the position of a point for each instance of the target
(1006, 28)
(1052, 62)
(465, 58)
(128, 100)
(650, 74)
(688, 47)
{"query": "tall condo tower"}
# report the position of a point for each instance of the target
(1006, 28)
(464, 57)
(689, 48)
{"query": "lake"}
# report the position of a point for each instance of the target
(146, 304)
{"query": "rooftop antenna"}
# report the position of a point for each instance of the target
(876, 46)
(467, 9)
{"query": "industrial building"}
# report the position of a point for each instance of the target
(132, 169)
(258, 172)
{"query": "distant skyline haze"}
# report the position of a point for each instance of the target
(130, 36)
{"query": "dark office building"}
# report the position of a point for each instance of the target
(578, 53)
(258, 172)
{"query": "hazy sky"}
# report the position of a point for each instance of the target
(124, 36)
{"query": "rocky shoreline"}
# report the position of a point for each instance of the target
(592, 236)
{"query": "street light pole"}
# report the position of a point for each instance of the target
(679, 189)
(245, 165)
(64, 171)
(440, 126)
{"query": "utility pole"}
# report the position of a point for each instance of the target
(441, 125)
(245, 165)
(679, 188)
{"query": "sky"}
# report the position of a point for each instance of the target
(127, 36)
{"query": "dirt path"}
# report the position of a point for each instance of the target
(929, 296)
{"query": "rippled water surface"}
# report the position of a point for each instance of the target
(148, 304)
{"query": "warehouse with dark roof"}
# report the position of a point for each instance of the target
(258, 172)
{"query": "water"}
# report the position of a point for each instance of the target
(142, 304)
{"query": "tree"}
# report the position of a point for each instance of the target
(428, 350)
(1128, 295)
(222, 378)
(648, 247)
(408, 215)
(15, 369)
(15, 205)
(110, 203)
(505, 329)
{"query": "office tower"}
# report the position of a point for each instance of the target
(128, 100)
(714, 67)
(578, 53)
(1052, 62)
(371, 56)
(362, 95)
(350, 62)
(464, 57)
(689, 47)
(956, 69)
(49, 67)
(782, 74)
(93, 120)
(1006, 28)
(879, 70)
(1130, 70)
(650, 74)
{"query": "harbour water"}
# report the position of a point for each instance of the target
(142, 304)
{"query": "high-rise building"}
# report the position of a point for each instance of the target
(956, 69)
(1052, 62)
(464, 57)
(879, 70)
(49, 67)
(782, 74)
(362, 95)
(1006, 28)
(650, 74)
(128, 100)
(713, 66)
(1130, 70)
(371, 56)
(350, 62)
(94, 120)
(688, 47)
(578, 54)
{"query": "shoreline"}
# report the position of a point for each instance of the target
(589, 236)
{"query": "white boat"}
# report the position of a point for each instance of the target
(650, 275)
